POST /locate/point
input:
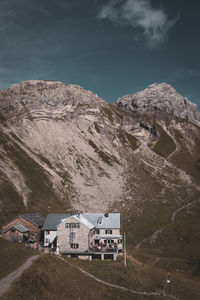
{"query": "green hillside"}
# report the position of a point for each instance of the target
(12, 256)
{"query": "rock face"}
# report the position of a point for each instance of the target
(161, 97)
(36, 99)
(63, 147)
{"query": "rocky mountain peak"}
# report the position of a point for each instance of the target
(161, 97)
(36, 99)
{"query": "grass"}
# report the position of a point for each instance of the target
(50, 278)
(96, 127)
(108, 113)
(104, 157)
(126, 138)
(12, 256)
(136, 276)
(42, 196)
(181, 238)
(185, 159)
(165, 145)
(11, 200)
(144, 276)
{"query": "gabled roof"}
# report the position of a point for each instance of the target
(34, 218)
(52, 220)
(88, 219)
(21, 228)
(80, 218)
(100, 221)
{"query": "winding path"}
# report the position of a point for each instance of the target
(6, 282)
(158, 294)
(153, 237)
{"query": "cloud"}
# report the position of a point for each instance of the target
(152, 22)
(185, 73)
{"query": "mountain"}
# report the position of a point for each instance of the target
(161, 97)
(62, 147)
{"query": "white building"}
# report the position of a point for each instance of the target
(89, 235)
(50, 227)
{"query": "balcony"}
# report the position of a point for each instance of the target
(103, 249)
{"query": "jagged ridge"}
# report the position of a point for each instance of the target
(161, 97)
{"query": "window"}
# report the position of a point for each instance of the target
(97, 231)
(72, 234)
(108, 231)
(47, 240)
(74, 246)
(119, 241)
(72, 225)
(99, 221)
(47, 232)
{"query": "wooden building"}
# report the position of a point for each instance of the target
(23, 227)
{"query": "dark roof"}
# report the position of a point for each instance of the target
(34, 218)
(52, 220)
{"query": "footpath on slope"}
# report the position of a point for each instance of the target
(153, 237)
(7, 281)
(158, 294)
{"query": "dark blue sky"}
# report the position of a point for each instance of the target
(110, 47)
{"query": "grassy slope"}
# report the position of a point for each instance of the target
(12, 256)
(186, 159)
(11, 201)
(50, 278)
(42, 197)
(143, 275)
(165, 145)
(181, 242)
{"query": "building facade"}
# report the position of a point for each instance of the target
(23, 227)
(90, 236)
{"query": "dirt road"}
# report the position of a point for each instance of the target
(7, 281)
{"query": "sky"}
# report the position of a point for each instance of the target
(112, 48)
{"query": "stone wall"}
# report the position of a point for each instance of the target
(63, 236)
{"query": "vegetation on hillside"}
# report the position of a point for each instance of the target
(42, 195)
(12, 256)
(165, 145)
(50, 278)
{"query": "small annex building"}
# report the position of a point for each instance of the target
(23, 227)
(50, 227)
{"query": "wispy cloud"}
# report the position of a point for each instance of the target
(185, 73)
(154, 23)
